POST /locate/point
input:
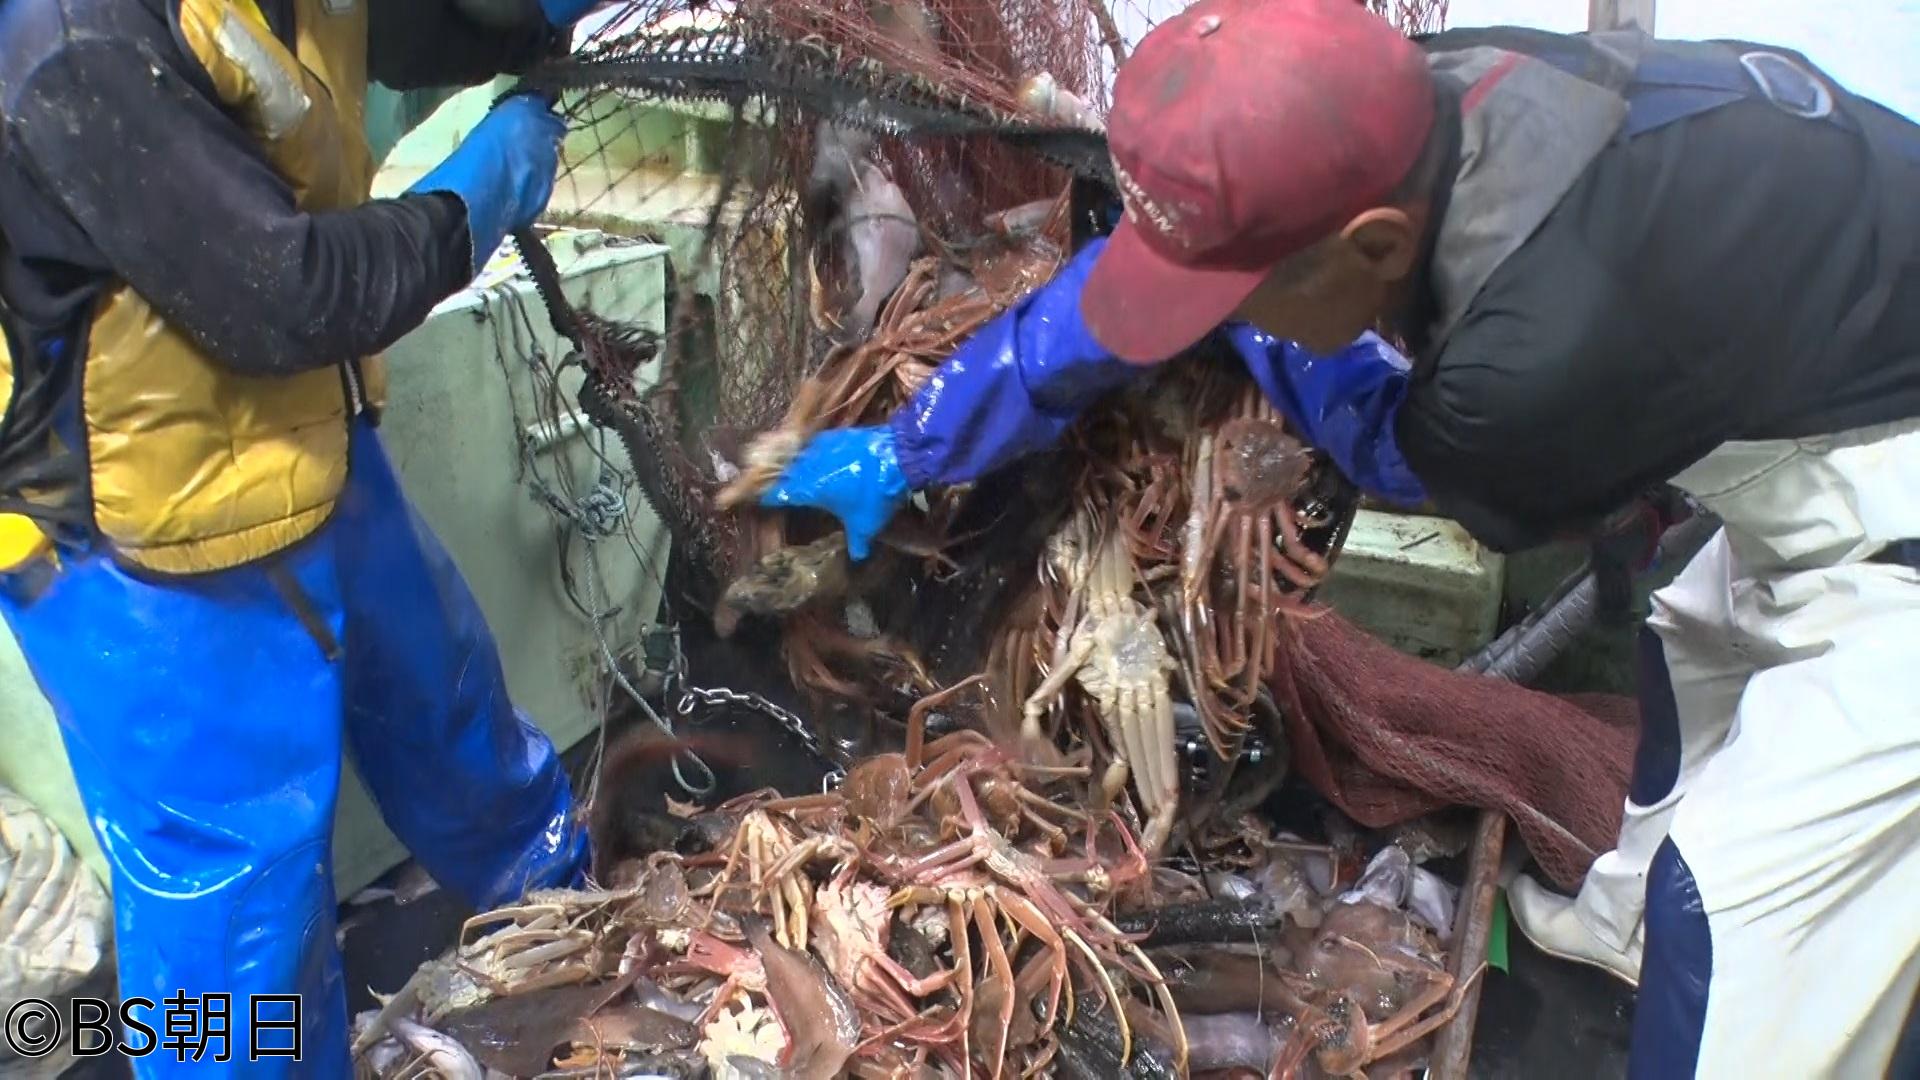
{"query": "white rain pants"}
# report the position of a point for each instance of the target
(1771, 848)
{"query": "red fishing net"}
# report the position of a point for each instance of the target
(741, 327)
(1389, 737)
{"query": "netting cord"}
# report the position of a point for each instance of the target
(594, 515)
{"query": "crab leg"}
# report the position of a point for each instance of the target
(1168, 1006)
(1000, 969)
(1054, 833)
(721, 880)
(1194, 551)
(1106, 984)
(1156, 801)
(1125, 739)
(1038, 802)
(1157, 718)
(960, 855)
(917, 717)
(1022, 913)
(811, 848)
(1113, 782)
(1266, 612)
(963, 968)
(1078, 652)
(1137, 861)
(1243, 588)
(798, 904)
(1117, 707)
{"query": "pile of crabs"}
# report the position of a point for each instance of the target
(1056, 852)
(949, 911)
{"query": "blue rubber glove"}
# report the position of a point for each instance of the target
(502, 171)
(854, 473)
(1343, 404)
(567, 12)
(1012, 388)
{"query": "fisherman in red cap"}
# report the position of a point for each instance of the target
(1618, 263)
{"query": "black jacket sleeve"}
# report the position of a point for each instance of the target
(413, 44)
(1682, 295)
(178, 204)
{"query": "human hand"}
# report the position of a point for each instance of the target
(503, 171)
(852, 473)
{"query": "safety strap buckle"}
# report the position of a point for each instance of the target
(1790, 87)
(22, 540)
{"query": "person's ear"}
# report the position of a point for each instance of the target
(1384, 241)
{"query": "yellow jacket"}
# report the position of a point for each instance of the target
(193, 466)
(193, 281)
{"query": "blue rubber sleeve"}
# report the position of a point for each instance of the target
(1344, 404)
(1011, 389)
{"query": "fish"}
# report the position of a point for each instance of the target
(1241, 1040)
(634, 1027)
(1227, 982)
(818, 1015)
(1044, 95)
(443, 1054)
(655, 997)
(866, 222)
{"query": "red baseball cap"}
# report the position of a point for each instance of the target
(1243, 132)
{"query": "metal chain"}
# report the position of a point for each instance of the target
(692, 696)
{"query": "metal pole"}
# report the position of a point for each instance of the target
(1472, 930)
(1617, 14)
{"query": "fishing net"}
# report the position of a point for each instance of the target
(720, 179)
(1389, 738)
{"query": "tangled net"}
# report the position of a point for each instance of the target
(1145, 568)
(987, 902)
(724, 181)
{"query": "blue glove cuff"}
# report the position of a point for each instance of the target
(486, 207)
(564, 13)
(1345, 404)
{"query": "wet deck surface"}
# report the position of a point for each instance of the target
(1545, 1017)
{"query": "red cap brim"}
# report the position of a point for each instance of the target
(1145, 309)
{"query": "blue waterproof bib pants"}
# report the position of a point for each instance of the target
(205, 718)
